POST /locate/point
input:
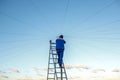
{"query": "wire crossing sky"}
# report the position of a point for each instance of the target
(91, 29)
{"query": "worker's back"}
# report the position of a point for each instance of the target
(60, 43)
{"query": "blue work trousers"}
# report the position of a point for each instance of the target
(60, 53)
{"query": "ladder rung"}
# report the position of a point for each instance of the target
(50, 68)
(60, 72)
(62, 77)
(59, 67)
(51, 63)
(51, 73)
(53, 46)
(52, 43)
(54, 54)
(51, 78)
(53, 58)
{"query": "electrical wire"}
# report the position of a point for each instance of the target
(66, 12)
(20, 21)
(98, 12)
(101, 28)
(23, 22)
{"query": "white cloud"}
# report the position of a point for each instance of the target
(37, 71)
(15, 70)
(98, 70)
(115, 70)
(76, 67)
(74, 72)
(80, 67)
(4, 76)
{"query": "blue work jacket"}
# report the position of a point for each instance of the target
(60, 43)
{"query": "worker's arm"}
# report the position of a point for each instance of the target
(64, 41)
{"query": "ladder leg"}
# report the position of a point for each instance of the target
(61, 74)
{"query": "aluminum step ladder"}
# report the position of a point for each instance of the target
(55, 72)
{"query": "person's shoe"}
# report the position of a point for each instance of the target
(60, 65)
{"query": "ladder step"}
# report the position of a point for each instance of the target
(51, 63)
(51, 78)
(50, 68)
(54, 50)
(51, 73)
(62, 77)
(52, 43)
(53, 46)
(54, 54)
(60, 72)
(53, 58)
(54, 63)
(60, 67)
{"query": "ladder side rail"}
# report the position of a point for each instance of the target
(54, 66)
(65, 71)
(48, 63)
(53, 59)
(55, 56)
(61, 74)
(54, 63)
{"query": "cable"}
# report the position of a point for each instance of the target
(98, 12)
(20, 41)
(93, 28)
(66, 12)
(38, 9)
(23, 22)
(33, 3)
(19, 20)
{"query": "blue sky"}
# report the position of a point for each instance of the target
(91, 29)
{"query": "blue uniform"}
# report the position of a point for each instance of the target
(60, 49)
(60, 43)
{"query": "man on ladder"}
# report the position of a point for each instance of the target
(60, 49)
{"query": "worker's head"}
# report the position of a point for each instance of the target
(61, 36)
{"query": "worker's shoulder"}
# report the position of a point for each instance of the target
(59, 39)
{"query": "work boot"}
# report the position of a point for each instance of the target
(60, 65)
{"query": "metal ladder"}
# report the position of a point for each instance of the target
(55, 72)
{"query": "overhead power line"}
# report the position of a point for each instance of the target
(94, 28)
(98, 11)
(66, 12)
(19, 20)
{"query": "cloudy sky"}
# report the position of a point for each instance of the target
(91, 29)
